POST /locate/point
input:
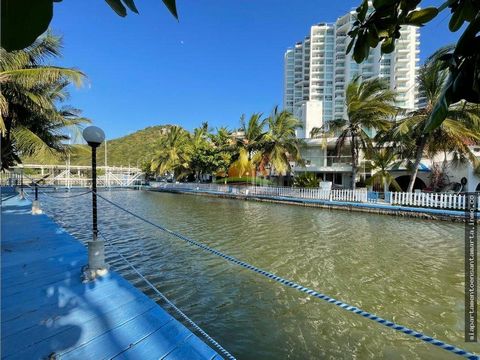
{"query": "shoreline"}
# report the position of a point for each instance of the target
(379, 209)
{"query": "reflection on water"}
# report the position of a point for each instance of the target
(405, 270)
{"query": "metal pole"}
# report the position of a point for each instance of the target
(107, 177)
(22, 196)
(94, 193)
(96, 247)
(67, 165)
(35, 203)
(68, 169)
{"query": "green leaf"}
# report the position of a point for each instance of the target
(467, 40)
(409, 4)
(420, 17)
(440, 110)
(373, 38)
(362, 10)
(350, 45)
(378, 4)
(464, 84)
(388, 45)
(446, 4)
(131, 5)
(383, 34)
(172, 7)
(457, 19)
(352, 33)
(22, 21)
(362, 48)
(118, 7)
(439, 114)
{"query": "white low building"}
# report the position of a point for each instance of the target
(321, 158)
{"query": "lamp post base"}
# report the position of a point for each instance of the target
(36, 208)
(92, 274)
(96, 261)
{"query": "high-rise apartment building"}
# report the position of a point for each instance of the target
(317, 71)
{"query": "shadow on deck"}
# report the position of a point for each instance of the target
(47, 312)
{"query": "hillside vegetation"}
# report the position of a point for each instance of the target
(128, 150)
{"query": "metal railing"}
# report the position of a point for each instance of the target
(66, 179)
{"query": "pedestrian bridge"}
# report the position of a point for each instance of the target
(72, 175)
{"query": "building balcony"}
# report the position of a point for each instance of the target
(326, 164)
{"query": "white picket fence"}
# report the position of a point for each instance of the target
(426, 200)
(310, 193)
(431, 200)
(274, 191)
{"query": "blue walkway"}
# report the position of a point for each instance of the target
(46, 311)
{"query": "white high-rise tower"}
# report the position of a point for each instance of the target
(317, 71)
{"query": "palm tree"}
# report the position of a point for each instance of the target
(224, 144)
(306, 180)
(280, 144)
(381, 160)
(31, 91)
(461, 126)
(252, 131)
(249, 143)
(369, 106)
(174, 153)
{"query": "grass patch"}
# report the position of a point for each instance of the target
(245, 180)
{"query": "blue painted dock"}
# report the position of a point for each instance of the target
(48, 313)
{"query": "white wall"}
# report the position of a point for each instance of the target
(310, 115)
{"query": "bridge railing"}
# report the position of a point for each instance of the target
(66, 179)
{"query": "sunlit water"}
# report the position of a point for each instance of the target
(405, 270)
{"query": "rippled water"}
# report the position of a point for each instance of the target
(405, 270)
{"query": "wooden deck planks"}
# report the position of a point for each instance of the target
(46, 309)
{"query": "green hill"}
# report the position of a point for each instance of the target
(127, 150)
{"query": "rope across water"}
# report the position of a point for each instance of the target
(65, 197)
(40, 187)
(164, 298)
(400, 328)
(222, 350)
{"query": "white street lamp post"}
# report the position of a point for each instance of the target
(94, 136)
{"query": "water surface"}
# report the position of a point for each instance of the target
(405, 270)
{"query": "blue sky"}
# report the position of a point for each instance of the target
(223, 58)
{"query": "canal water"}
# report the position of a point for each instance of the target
(406, 270)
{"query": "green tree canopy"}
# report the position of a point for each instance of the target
(32, 120)
(382, 25)
(380, 160)
(280, 144)
(460, 128)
